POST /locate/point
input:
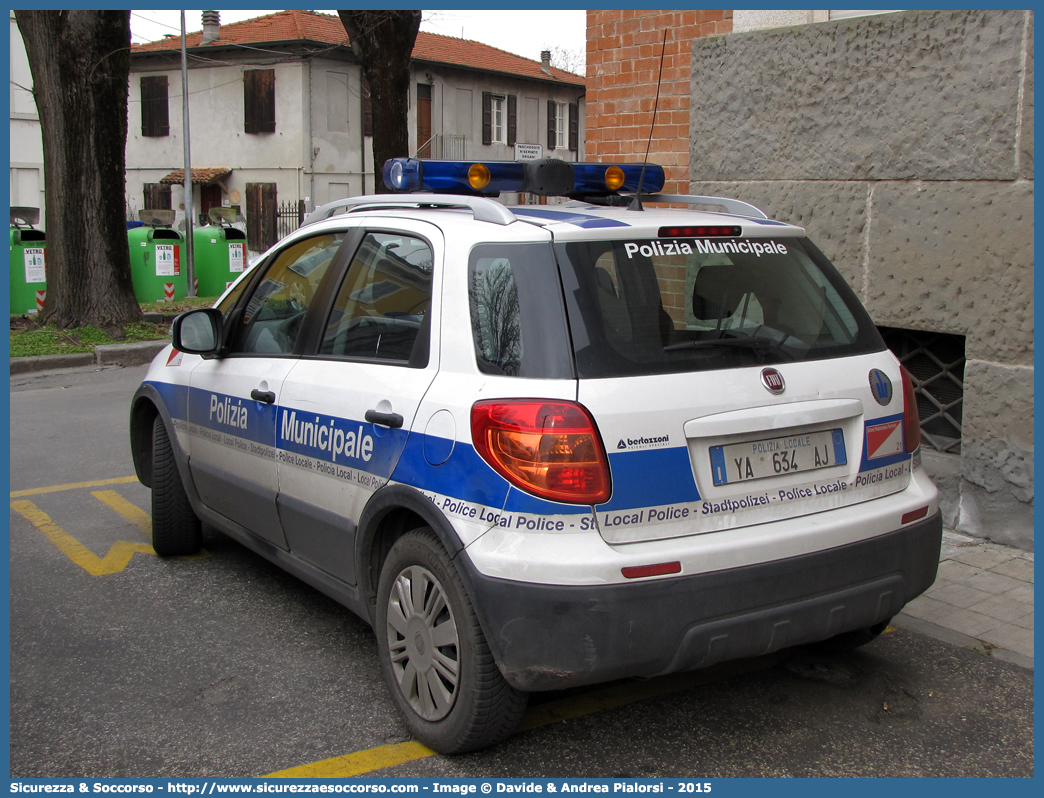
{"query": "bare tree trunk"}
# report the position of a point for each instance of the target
(80, 61)
(383, 41)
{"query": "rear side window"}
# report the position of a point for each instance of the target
(383, 308)
(662, 306)
(517, 319)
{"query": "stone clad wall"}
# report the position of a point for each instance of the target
(903, 143)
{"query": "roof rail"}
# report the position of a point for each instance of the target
(734, 206)
(484, 210)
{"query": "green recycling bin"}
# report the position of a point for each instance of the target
(28, 274)
(219, 252)
(155, 256)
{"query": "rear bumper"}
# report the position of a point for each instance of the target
(551, 636)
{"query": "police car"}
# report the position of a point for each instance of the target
(545, 446)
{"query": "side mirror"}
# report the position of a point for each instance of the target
(198, 332)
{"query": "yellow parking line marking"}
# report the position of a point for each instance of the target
(115, 561)
(339, 767)
(138, 517)
(18, 494)
(129, 512)
(386, 756)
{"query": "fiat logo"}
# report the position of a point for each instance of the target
(772, 380)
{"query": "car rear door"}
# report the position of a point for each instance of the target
(346, 409)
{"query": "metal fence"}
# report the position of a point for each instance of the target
(444, 147)
(289, 216)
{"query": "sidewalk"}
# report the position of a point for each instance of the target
(982, 599)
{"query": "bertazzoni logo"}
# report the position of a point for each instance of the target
(644, 443)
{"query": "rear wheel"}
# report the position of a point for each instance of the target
(175, 528)
(435, 658)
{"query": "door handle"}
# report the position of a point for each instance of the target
(393, 420)
(268, 397)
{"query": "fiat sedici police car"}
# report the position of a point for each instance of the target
(544, 446)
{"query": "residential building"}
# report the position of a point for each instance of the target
(279, 114)
(27, 181)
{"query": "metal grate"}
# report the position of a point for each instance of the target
(936, 362)
(289, 216)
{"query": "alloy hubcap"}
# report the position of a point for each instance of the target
(423, 643)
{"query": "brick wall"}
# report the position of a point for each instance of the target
(623, 60)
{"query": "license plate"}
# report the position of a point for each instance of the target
(776, 457)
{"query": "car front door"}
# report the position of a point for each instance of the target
(233, 399)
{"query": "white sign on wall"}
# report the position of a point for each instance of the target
(529, 152)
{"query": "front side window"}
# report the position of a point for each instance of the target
(271, 321)
(383, 308)
(672, 305)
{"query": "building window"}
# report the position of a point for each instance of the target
(563, 131)
(936, 362)
(499, 118)
(259, 101)
(155, 119)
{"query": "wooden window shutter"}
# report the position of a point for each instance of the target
(155, 119)
(487, 117)
(259, 101)
(551, 129)
(157, 197)
(574, 127)
(512, 104)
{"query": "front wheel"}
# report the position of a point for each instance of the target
(175, 528)
(435, 658)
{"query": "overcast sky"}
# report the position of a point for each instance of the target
(523, 32)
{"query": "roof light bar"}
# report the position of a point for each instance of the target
(600, 178)
(545, 177)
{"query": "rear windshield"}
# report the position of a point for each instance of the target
(675, 305)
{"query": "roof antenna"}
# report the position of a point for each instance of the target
(636, 203)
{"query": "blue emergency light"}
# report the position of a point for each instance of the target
(545, 177)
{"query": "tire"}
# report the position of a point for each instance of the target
(436, 662)
(176, 530)
(849, 641)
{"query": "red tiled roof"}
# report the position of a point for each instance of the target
(305, 25)
(205, 175)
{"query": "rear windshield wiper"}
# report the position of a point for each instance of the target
(759, 344)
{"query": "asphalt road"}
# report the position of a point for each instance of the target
(222, 665)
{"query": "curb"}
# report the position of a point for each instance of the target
(961, 640)
(134, 354)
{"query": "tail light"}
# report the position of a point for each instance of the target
(911, 418)
(547, 448)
